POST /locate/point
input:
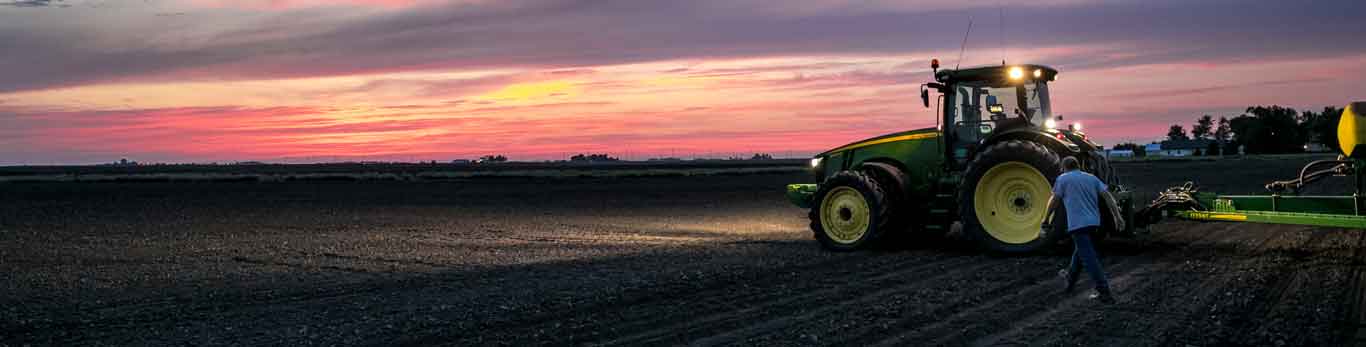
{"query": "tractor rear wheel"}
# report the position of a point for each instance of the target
(1004, 196)
(850, 210)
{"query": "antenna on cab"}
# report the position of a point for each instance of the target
(1001, 40)
(964, 46)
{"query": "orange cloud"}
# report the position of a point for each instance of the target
(786, 106)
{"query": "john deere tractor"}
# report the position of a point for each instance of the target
(989, 163)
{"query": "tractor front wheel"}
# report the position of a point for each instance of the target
(849, 211)
(1004, 196)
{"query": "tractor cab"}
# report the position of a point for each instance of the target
(981, 102)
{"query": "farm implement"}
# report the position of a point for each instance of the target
(990, 162)
(1284, 204)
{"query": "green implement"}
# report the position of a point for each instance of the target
(1313, 219)
(1187, 202)
(1284, 205)
(800, 194)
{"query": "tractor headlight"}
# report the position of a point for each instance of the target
(1050, 123)
(1076, 126)
(815, 162)
(1038, 73)
(1016, 73)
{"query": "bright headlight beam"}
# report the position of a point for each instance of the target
(1050, 123)
(815, 162)
(1038, 73)
(1016, 73)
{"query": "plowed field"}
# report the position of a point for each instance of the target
(709, 260)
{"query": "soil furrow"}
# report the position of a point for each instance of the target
(863, 295)
(650, 297)
(1037, 303)
(1181, 289)
(721, 306)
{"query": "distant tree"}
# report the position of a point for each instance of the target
(1268, 130)
(761, 156)
(1322, 127)
(592, 158)
(1245, 129)
(1283, 130)
(1139, 150)
(1212, 149)
(1202, 127)
(493, 159)
(1176, 132)
(1222, 134)
(1222, 131)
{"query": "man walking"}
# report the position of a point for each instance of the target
(1079, 192)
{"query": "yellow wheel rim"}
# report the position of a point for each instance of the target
(845, 215)
(1010, 202)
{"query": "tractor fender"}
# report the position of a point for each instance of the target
(1060, 147)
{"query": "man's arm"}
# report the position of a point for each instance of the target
(1048, 211)
(1114, 209)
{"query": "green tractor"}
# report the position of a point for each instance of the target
(989, 163)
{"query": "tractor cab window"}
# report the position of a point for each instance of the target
(981, 108)
(1027, 101)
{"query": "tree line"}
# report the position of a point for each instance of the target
(1259, 130)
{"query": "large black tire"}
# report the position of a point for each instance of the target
(842, 212)
(893, 182)
(1106, 174)
(1010, 153)
(905, 216)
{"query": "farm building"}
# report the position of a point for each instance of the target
(1119, 153)
(1152, 149)
(1182, 148)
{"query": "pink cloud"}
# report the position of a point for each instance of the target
(434, 132)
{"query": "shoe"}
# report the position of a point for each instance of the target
(1104, 296)
(1068, 282)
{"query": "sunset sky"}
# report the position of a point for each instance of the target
(90, 81)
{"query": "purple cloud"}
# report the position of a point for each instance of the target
(579, 33)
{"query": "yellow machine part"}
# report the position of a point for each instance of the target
(1352, 130)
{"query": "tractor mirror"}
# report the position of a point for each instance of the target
(925, 96)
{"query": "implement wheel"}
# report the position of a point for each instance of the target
(849, 211)
(1004, 196)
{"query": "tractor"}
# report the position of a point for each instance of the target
(989, 163)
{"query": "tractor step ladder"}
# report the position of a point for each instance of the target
(941, 207)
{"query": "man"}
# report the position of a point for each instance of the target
(1079, 193)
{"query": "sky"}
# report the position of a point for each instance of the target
(92, 81)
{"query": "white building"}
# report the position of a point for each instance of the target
(1182, 148)
(1119, 153)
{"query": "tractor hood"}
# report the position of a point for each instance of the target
(909, 135)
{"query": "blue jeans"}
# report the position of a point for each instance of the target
(1084, 255)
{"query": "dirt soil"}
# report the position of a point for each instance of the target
(720, 260)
